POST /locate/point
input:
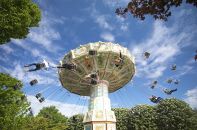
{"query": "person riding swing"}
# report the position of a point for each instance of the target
(169, 92)
(38, 66)
(69, 66)
(155, 99)
(153, 85)
(119, 61)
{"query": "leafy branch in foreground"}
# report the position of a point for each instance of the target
(159, 9)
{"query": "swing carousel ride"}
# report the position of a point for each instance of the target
(95, 70)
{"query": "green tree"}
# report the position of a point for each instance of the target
(13, 103)
(76, 122)
(194, 119)
(159, 9)
(121, 118)
(174, 114)
(16, 16)
(142, 117)
(36, 123)
(56, 120)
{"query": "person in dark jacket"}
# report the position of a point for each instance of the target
(37, 66)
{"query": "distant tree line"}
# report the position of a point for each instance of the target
(169, 114)
(15, 113)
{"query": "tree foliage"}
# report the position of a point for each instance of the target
(76, 122)
(13, 104)
(194, 120)
(36, 123)
(142, 117)
(159, 9)
(16, 16)
(170, 114)
(49, 118)
(122, 118)
(174, 114)
(56, 119)
(41, 123)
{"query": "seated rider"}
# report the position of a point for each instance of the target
(33, 82)
(38, 66)
(119, 61)
(154, 84)
(38, 95)
(167, 91)
(155, 99)
(69, 66)
(94, 82)
(169, 80)
(92, 78)
(146, 55)
(41, 99)
(93, 75)
(176, 82)
(173, 67)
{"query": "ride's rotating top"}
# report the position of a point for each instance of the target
(111, 62)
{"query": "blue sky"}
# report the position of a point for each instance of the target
(66, 24)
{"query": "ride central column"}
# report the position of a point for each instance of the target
(99, 115)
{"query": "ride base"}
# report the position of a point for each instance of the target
(99, 115)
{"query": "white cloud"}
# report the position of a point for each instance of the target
(183, 70)
(7, 48)
(77, 19)
(116, 3)
(122, 22)
(4, 70)
(26, 46)
(65, 108)
(124, 27)
(45, 34)
(18, 72)
(120, 19)
(102, 21)
(108, 37)
(164, 44)
(4, 58)
(191, 97)
(36, 52)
